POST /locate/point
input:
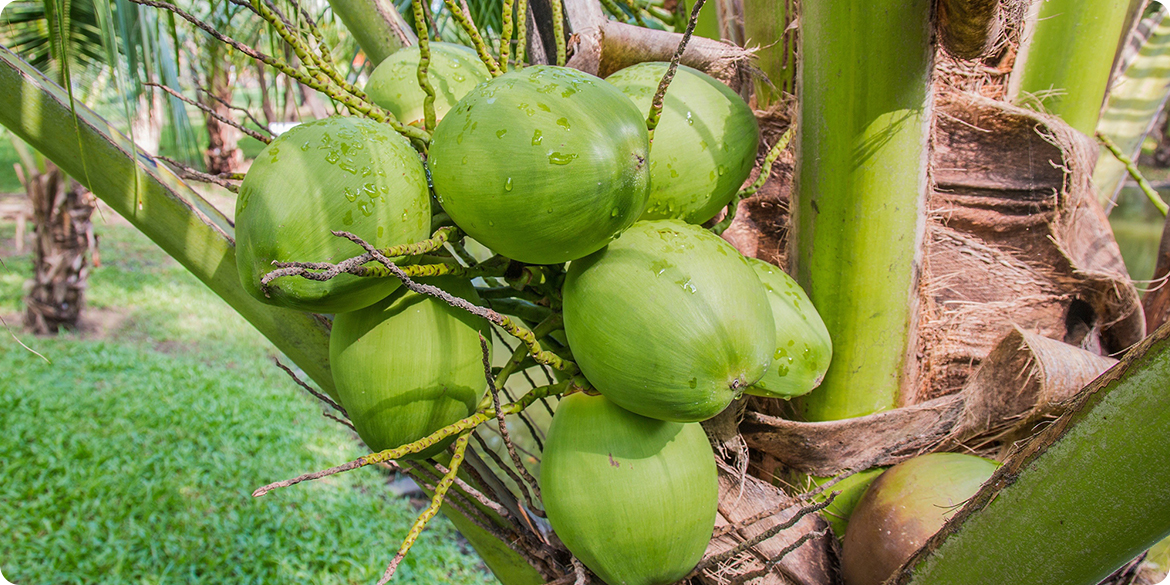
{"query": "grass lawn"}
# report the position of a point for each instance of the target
(130, 457)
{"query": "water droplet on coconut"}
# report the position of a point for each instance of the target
(694, 383)
(722, 170)
(613, 213)
(332, 157)
(366, 207)
(350, 195)
(348, 218)
(305, 147)
(564, 123)
(690, 121)
(560, 158)
(536, 137)
(508, 184)
(501, 132)
(465, 160)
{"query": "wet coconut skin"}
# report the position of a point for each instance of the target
(543, 165)
(668, 321)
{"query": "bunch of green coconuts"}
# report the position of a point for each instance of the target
(548, 166)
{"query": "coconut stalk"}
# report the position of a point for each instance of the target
(376, 25)
(861, 184)
(1066, 57)
(1080, 499)
(769, 25)
(154, 200)
(1137, 97)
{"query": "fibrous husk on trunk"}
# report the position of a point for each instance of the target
(1156, 303)
(61, 245)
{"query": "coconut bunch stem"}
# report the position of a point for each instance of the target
(424, 62)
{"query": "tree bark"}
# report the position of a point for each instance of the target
(63, 237)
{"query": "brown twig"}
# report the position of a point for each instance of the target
(761, 537)
(319, 395)
(186, 172)
(508, 470)
(501, 422)
(210, 112)
(660, 95)
(244, 111)
(525, 335)
(745, 577)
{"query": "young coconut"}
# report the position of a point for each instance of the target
(633, 498)
(704, 145)
(543, 165)
(409, 365)
(904, 507)
(453, 71)
(339, 173)
(668, 321)
(803, 347)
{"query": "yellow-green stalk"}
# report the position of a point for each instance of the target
(861, 183)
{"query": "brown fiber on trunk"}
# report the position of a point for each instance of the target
(1156, 303)
(62, 240)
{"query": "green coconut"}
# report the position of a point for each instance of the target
(668, 321)
(339, 173)
(409, 365)
(704, 146)
(542, 165)
(803, 347)
(904, 507)
(631, 497)
(454, 70)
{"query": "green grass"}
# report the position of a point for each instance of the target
(131, 459)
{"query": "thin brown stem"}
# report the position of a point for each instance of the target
(761, 537)
(745, 577)
(660, 95)
(316, 394)
(185, 172)
(211, 112)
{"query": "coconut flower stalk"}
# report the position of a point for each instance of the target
(1066, 56)
(861, 183)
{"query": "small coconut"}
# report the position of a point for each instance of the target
(634, 498)
(453, 71)
(668, 321)
(338, 173)
(903, 508)
(409, 365)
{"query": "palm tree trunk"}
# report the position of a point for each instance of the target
(223, 154)
(63, 237)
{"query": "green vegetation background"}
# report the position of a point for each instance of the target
(131, 456)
